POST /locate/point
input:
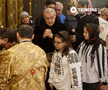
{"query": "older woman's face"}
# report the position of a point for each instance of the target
(25, 19)
(102, 15)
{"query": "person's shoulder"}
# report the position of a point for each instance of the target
(37, 48)
(13, 48)
(72, 50)
(76, 15)
(89, 16)
(10, 52)
(63, 15)
(70, 17)
(32, 21)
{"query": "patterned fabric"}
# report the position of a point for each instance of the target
(75, 62)
(2, 51)
(58, 66)
(99, 70)
(62, 68)
(94, 39)
(23, 67)
(94, 32)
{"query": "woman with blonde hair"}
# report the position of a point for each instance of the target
(104, 14)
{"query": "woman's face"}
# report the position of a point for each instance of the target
(86, 34)
(25, 20)
(102, 15)
(59, 44)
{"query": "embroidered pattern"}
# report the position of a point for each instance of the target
(71, 58)
(81, 74)
(3, 68)
(75, 78)
(32, 72)
(58, 66)
(76, 57)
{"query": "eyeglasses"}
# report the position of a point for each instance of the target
(57, 42)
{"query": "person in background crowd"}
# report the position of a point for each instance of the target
(23, 66)
(104, 14)
(93, 56)
(48, 4)
(59, 10)
(70, 20)
(66, 68)
(90, 6)
(45, 30)
(25, 19)
(82, 18)
(75, 3)
(102, 22)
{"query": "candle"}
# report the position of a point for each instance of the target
(30, 8)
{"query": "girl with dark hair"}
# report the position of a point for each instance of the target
(65, 68)
(93, 56)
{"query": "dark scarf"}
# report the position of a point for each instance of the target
(94, 39)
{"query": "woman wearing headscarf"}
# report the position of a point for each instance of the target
(93, 55)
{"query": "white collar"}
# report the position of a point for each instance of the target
(82, 16)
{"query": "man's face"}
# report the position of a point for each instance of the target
(51, 6)
(25, 19)
(5, 44)
(58, 10)
(10, 44)
(82, 12)
(49, 18)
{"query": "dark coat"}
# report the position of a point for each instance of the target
(32, 23)
(70, 22)
(47, 43)
(80, 27)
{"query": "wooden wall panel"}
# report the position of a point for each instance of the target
(2, 13)
(9, 12)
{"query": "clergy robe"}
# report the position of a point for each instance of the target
(23, 67)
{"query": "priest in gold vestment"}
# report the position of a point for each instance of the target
(23, 66)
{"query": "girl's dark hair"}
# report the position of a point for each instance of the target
(94, 38)
(64, 35)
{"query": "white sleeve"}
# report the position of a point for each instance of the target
(101, 64)
(75, 70)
